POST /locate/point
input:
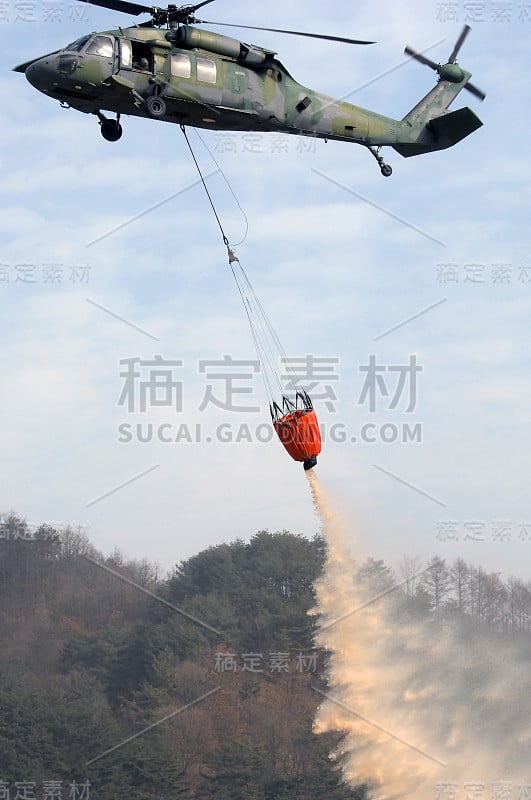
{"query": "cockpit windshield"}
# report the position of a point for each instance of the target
(78, 44)
(101, 46)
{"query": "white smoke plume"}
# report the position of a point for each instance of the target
(428, 708)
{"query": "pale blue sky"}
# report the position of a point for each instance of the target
(333, 271)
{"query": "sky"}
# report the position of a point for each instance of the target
(110, 256)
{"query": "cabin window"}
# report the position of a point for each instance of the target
(126, 53)
(181, 66)
(101, 46)
(206, 70)
(142, 56)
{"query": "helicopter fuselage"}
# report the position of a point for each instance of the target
(203, 79)
(118, 70)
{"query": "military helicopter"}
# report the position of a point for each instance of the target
(166, 69)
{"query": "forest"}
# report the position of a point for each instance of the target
(119, 682)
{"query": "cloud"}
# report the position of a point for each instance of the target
(333, 272)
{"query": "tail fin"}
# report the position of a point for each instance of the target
(429, 126)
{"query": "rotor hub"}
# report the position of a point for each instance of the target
(452, 73)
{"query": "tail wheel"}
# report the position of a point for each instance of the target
(155, 106)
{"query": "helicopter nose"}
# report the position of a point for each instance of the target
(42, 73)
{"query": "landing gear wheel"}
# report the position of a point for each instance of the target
(385, 169)
(155, 106)
(111, 130)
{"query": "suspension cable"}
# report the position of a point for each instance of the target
(225, 240)
(209, 151)
(262, 330)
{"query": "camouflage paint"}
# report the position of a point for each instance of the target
(247, 96)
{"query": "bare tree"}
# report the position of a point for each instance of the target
(75, 542)
(459, 582)
(436, 580)
(409, 569)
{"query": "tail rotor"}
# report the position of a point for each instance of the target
(451, 71)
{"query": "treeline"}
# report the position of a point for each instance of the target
(463, 587)
(198, 684)
(103, 684)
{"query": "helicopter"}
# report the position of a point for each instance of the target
(167, 69)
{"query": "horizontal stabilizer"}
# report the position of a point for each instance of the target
(442, 132)
(453, 127)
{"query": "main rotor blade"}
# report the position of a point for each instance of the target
(134, 9)
(475, 91)
(464, 33)
(419, 57)
(191, 9)
(291, 33)
(121, 5)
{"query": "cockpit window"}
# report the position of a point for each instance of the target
(101, 46)
(78, 44)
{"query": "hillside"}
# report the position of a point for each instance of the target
(119, 683)
(88, 661)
